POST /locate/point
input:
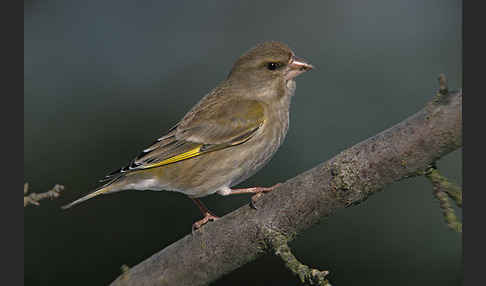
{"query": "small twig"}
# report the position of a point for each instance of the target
(125, 271)
(454, 192)
(34, 198)
(447, 210)
(443, 89)
(278, 243)
(443, 189)
(451, 189)
(124, 268)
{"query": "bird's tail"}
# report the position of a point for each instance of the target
(101, 190)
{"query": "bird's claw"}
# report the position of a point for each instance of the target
(253, 200)
(207, 217)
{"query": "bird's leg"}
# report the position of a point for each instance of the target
(257, 191)
(206, 213)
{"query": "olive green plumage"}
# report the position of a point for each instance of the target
(227, 137)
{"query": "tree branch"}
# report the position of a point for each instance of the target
(443, 189)
(402, 151)
(279, 245)
(439, 181)
(34, 198)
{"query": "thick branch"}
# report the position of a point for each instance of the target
(404, 150)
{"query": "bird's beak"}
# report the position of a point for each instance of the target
(297, 66)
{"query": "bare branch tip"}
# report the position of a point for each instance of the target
(443, 90)
(124, 268)
(34, 198)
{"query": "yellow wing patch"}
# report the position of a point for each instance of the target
(186, 155)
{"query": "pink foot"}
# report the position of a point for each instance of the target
(259, 192)
(207, 217)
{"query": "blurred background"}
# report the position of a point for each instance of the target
(103, 79)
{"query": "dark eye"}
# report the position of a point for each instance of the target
(273, 66)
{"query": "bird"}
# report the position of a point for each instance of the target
(228, 136)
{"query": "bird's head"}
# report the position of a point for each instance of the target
(268, 63)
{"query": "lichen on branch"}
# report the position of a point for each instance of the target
(278, 244)
(443, 190)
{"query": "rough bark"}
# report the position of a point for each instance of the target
(402, 151)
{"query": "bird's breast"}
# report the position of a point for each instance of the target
(260, 148)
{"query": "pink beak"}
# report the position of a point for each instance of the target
(297, 66)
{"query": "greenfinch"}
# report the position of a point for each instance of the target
(228, 136)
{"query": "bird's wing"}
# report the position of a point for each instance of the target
(214, 126)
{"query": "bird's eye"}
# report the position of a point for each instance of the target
(273, 66)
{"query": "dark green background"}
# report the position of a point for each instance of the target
(103, 79)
